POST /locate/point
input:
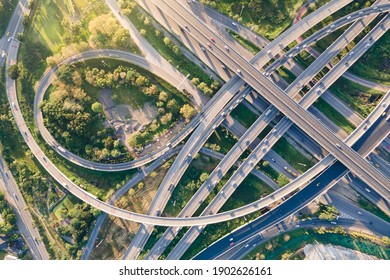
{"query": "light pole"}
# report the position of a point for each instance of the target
(243, 6)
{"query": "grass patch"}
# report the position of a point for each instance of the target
(3, 254)
(292, 155)
(6, 10)
(244, 115)
(268, 18)
(363, 100)
(67, 203)
(286, 245)
(245, 42)
(334, 115)
(370, 207)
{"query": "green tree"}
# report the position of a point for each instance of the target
(97, 107)
(282, 180)
(13, 72)
(187, 111)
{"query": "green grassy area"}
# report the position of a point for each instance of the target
(286, 74)
(3, 254)
(367, 205)
(67, 203)
(334, 115)
(245, 42)
(286, 245)
(223, 138)
(292, 155)
(363, 100)
(244, 115)
(250, 190)
(6, 9)
(268, 18)
(374, 64)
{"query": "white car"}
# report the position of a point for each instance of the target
(233, 23)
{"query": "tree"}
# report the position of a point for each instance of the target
(282, 180)
(65, 74)
(26, 20)
(97, 107)
(13, 72)
(141, 185)
(131, 192)
(187, 111)
(163, 96)
(203, 177)
(173, 106)
(166, 118)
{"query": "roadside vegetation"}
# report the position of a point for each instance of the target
(268, 18)
(6, 10)
(169, 48)
(288, 245)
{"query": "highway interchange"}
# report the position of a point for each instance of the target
(216, 111)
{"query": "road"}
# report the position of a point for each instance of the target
(259, 152)
(181, 161)
(278, 98)
(290, 206)
(25, 221)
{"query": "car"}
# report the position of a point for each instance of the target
(318, 184)
(304, 46)
(360, 213)
(209, 45)
(296, 226)
(333, 223)
(158, 212)
(65, 185)
(214, 127)
(348, 17)
(231, 244)
(212, 39)
(239, 71)
(189, 156)
(361, 12)
(186, 26)
(15, 196)
(233, 23)
(247, 245)
(383, 104)
(351, 53)
(226, 47)
(272, 159)
(338, 146)
(223, 114)
(223, 66)
(203, 49)
(231, 239)
(367, 190)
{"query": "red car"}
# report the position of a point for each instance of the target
(212, 39)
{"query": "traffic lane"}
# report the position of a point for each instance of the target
(262, 237)
(274, 216)
(288, 107)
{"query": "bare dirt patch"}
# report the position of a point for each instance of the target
(329, 252)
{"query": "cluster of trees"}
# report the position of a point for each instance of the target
(81, 218)
(106, 31)
(72, 118)
(8, 226)
(169, 107)
(208, 90)
(168, 48)
(327, 212)
(274, 11)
